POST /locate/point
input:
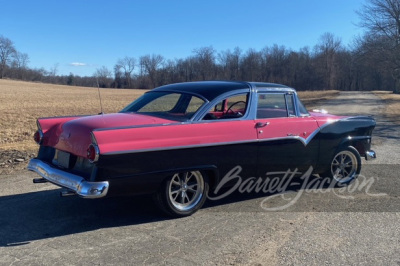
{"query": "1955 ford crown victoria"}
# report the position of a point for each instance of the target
(177, 142)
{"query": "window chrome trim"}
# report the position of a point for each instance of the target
(197, 117)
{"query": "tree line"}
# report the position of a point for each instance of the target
(372, 62)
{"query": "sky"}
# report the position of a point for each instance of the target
(80, 36)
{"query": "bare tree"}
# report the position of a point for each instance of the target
(205, 58)
(381, 18)
(7, 51)
(326, 53)
(230, 62)
(103, 76)
(150, 65)
(127, 65)
(19, 65)
(21, 60)
(251, 65)
(54, 70)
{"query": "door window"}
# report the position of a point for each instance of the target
(232, 107)
(272, 105)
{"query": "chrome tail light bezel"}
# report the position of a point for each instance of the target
(93, 151)
(38, 135)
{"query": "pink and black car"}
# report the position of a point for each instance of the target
(178, 141)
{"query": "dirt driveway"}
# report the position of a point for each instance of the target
(359, 225)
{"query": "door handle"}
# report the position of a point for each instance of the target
(260, 124)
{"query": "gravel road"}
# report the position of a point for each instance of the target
(341, 226)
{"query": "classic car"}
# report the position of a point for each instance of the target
(177, 142)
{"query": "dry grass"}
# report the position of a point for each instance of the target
(313, 98)
(392, 109)
(21, 103)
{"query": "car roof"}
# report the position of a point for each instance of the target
(212, 89)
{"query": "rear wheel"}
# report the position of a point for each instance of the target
(182, 194)
(345, 166)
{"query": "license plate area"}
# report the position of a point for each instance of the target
(63, 159)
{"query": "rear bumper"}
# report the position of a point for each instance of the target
(70, 181)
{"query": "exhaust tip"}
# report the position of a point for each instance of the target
(39, 180)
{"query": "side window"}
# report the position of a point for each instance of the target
(165, 103)
(272, 105)
(236, 104)
(302, 110)
(229, 108)
(290, 104)
(194, 104)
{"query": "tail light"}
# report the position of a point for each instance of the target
(93, 153)
(38, 137)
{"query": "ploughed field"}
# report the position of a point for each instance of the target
(21, 103)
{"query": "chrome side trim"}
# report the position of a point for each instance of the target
(140, 126)
(370, 155)
(70, 181)
(304, 141)
(182, 147)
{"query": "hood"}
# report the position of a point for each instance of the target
(74, 135)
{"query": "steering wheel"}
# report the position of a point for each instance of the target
(233, 104)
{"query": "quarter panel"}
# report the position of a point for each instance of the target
(165, 137)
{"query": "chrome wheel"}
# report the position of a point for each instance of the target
(345, 166)
(186, 190)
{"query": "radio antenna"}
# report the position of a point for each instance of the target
(98, 90)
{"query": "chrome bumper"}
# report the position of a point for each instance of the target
(370, 155)
(72, 182)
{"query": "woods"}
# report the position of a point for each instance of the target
(371, 62)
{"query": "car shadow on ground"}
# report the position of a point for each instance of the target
(41, 215)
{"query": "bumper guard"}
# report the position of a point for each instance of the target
(370, 155)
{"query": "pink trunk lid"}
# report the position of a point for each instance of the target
(74, 135)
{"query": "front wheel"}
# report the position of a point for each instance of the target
(182, 194)
(345, 166)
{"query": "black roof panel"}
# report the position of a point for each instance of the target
(212, 89)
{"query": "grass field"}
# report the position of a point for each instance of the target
(21, 103)
(392, 101)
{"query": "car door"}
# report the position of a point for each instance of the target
(284, 137)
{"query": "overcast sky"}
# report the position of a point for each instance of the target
(83, 35)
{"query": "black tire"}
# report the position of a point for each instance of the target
(182, 194)
(345, 166)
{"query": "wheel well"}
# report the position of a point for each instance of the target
(361, 144)
(213, 177)
(210, 171)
